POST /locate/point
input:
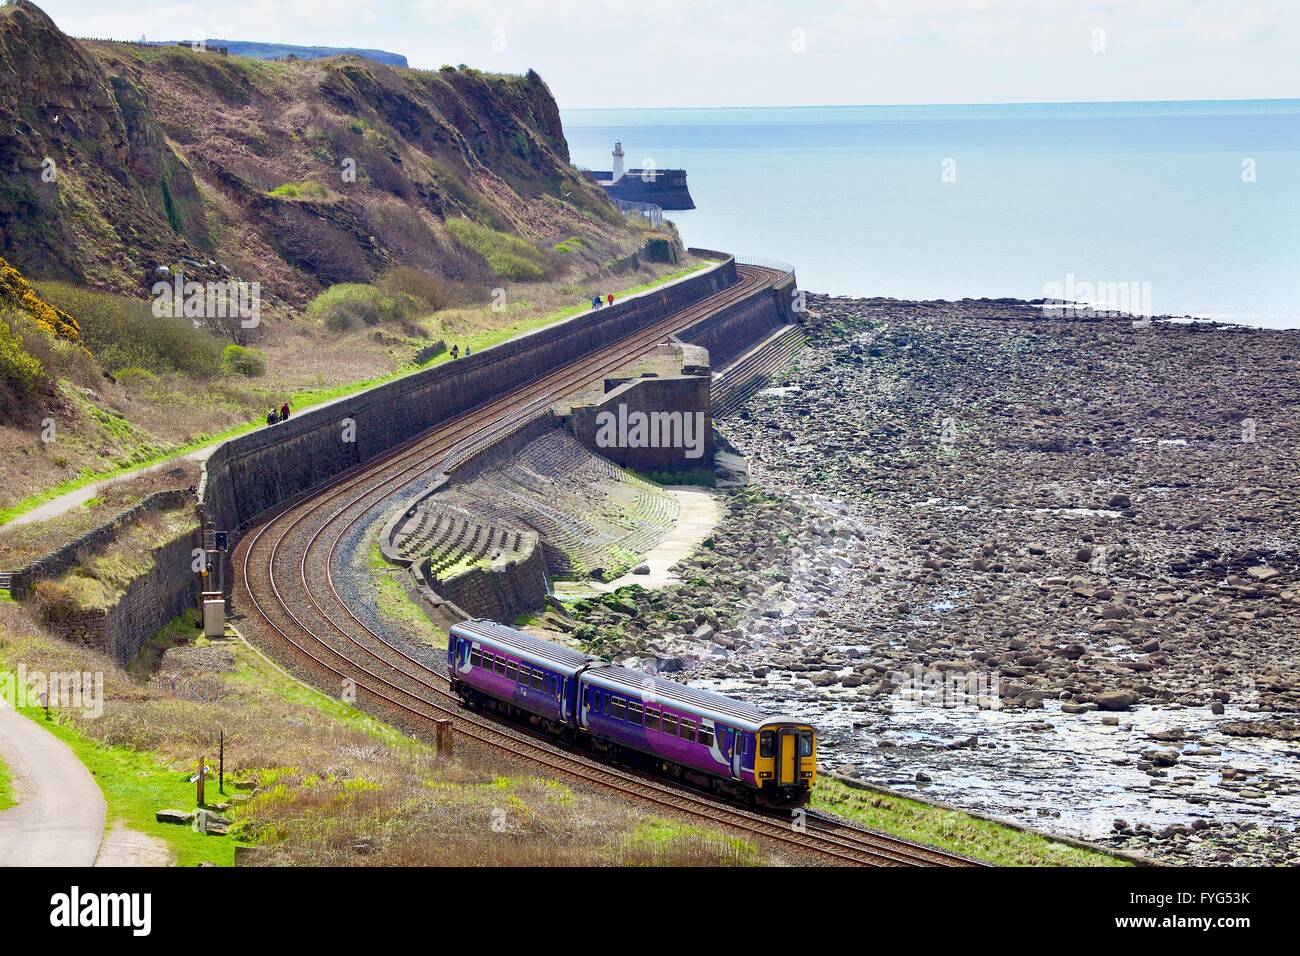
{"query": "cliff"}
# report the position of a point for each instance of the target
(116, 158)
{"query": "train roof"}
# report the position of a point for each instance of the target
(542, 651)
(728, 710)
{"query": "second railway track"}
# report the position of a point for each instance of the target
(284, 579)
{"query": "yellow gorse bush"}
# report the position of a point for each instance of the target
(15, 291)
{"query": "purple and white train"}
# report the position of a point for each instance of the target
(708, 739)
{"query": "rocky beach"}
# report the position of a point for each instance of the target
(1038, 563)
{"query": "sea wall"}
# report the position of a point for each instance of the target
(653, 424)
(250, 474)
(728, 333)
(500, 593)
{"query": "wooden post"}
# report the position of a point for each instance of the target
(200, 782)
(444, 739)
(221, 766)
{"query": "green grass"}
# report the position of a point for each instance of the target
(395, 602)
(305, 399)
(951, 829)
(300, 191)
(136, 785)
(6, 787)
(508, 256)
(663, 837)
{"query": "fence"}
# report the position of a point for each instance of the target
(652, 214)
(766, 264)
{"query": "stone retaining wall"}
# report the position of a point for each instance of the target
(56, 562)
(254, 472)
(500, 593)
(150, 601)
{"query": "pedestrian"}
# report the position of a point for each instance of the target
(284, 412)
(595, 302)
(467, 351)
(455, 352)
(610, 298)
(272, 417)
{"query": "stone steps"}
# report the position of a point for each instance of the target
(752, 371)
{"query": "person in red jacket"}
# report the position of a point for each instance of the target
(610, 298)
(284, 412)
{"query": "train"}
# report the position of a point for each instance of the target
(705, 739)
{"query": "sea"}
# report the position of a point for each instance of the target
(1164, 208)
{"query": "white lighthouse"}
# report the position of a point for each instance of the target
(618, 169)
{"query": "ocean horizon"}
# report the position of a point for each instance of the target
(1186, 208)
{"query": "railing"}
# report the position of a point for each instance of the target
(6, 580)
(766, 263)
(652, 214)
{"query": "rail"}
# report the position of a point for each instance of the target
(775, 264)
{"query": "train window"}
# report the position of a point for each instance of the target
(512, 674)
(765, 743)
(651, 719)
(475, 658)
(618, 708)
(688, 729)
(634, 713)
(805, 743)
(500, 665)
(670, 724)
(606, 699)
(539, 680)
(706, 736)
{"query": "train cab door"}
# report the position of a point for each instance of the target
(787, 757)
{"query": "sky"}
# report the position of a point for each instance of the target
(691, 53)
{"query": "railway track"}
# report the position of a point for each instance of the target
(284, 578)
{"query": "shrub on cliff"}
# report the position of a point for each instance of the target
(344, 306)
(124, 333)
(509, 257)
(240, 360)
(21, 373)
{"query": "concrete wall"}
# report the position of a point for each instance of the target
(729, 332)
(255, 472)
(661, 446)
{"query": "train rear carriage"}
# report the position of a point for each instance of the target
(729, 745)
(492, 664)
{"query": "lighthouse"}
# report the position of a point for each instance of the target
(618, 162)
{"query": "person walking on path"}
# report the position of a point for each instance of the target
(610, 298)
(284, 412)
(272, 417)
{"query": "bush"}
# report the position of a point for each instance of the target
(55, 602)
(509, 257)
(20, 371)
(426, 289)
(124, 333)
(342, 306)
(239, 360)
(300, 191)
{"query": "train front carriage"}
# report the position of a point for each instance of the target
(787, 760)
